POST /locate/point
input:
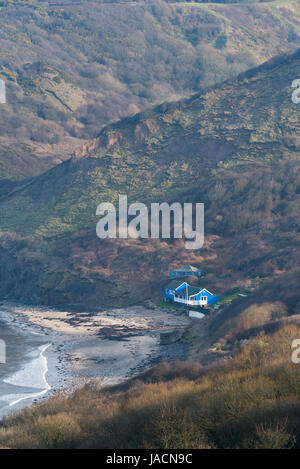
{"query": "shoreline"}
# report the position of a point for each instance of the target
(110, 346)
(42, 371)
(45, 371)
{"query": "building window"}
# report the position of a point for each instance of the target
(204, 298)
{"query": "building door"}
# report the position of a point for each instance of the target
(203, 300)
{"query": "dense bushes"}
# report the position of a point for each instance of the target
(252, 401)
(77, 68)
(241, 164)
(262, 309)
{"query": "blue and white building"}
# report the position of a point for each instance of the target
(181, 292)
(184, 271)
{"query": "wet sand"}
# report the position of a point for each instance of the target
(134, 319)
(111, 346)
(31, 370)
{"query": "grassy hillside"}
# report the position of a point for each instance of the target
(244, 127)
(73, 68)
(251, 401)
(234, 147)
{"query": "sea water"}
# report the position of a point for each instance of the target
(23, 376)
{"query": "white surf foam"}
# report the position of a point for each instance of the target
(33, 375)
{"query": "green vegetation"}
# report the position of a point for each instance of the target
(252, 401)
(71, 69)
(234, 147)
(264, 309)
(243, 134)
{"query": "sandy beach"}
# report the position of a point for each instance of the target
(36, 365)
(65, 349)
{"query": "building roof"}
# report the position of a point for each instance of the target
(185, 268)
(174, 284)
(191, 291)
(204, 290)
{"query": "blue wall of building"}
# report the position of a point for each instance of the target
(170, 295)
(176, 273)
(211, 299)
